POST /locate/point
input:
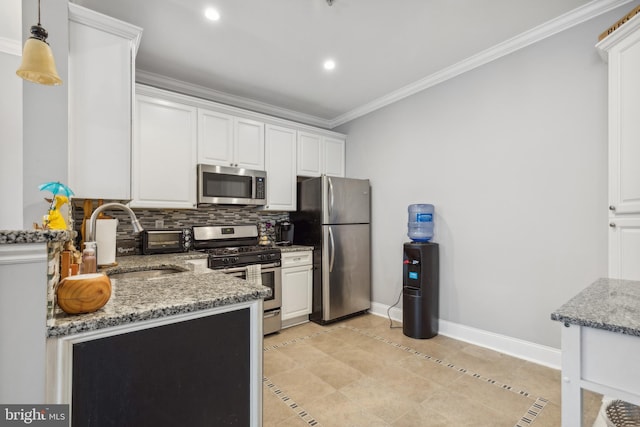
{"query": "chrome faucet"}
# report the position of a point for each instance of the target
(91, 232)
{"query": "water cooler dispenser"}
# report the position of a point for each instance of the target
(420, 286)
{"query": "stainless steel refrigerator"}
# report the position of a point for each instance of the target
(334, 217)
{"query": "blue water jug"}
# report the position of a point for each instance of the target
(420, 222)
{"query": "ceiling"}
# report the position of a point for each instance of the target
(267, 55)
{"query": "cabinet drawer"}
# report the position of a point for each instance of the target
(294, 259)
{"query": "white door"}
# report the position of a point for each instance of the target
(281, 168)
(624, 248)
(249, 144)
(215, 138)
(624, 126)
(309, 156)
(296, 291)
(101, 49)
(164, 154)
(334, 157)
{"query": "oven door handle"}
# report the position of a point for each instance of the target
(242, 269)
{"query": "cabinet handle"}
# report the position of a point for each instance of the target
(612, 208)
(612, 224)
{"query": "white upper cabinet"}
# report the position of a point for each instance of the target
(164, 154)
(226, 140)
(309, 154)
(249, 143)
(622, 50)
(215, 138)
(281, 168)
(318, 155)
(334, 157)
(102, 54)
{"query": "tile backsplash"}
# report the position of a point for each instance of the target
(128, 243)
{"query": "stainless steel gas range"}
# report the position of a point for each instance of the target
(234, 249)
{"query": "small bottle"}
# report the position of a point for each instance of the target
(89, 264)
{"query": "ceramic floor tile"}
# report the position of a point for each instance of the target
(359, 372)
(336, 410)
(377, 398)
(460, 411)
(335, 372)
(274, 409)
(492, 396)
(301, 385)
(440, 374)
(275, 361)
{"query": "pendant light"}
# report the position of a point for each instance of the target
(38, 65)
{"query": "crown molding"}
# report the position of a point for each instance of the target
(563, 22)
(163, 82)
(622, 33)
(10, 46)
(91, 18)
(541, 32)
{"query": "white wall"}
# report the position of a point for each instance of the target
(10, 117)
(45, 114)
(514, 157)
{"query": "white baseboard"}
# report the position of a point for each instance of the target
(532, 352)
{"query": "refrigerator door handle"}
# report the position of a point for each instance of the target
(333, 251)
(330, 196)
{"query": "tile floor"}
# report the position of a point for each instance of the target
(359, 372)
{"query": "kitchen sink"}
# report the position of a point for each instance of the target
(145, 274)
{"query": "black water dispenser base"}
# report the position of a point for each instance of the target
(420, 290)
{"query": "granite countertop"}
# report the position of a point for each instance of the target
(35, 236)
(609, 304)
(133, 299)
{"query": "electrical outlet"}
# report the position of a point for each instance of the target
(159, 223)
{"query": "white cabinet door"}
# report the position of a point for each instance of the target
(248, 144)
(622, 50)
(318, 155)
(309, 161)
(280, 165)
(101, 76)
(296, 291)
(334, 157)
(215, 138)
(624, 248)
(164, 154)
(624, 126)
(226, 140)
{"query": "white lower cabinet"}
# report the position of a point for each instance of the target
(297, 284)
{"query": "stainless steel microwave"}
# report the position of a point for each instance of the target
(231, 186)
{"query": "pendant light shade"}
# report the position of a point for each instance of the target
(38, 65)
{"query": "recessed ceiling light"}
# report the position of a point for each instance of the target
(329, 64)
(212, 14)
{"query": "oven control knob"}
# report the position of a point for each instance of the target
(233, 259)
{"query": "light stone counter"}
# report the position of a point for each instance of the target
(34, 236)
(600, 345)
(609, 304)
(134, 300)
